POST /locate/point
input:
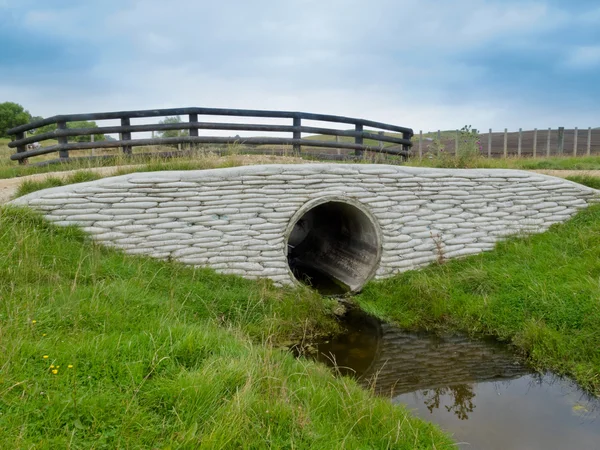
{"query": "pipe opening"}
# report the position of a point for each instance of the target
(334, 248)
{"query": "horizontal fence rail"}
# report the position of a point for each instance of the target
(400, 138)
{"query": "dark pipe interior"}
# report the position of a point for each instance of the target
(333, 248)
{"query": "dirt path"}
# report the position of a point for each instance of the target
(9, 186)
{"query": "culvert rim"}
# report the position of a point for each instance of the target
(361, 207)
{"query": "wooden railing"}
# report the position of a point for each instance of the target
(126, 142)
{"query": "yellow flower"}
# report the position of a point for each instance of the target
(58, 367)
(45, 356)
(55, 371)
(44, 334)
(70, 366)
(34, 321)
(52, 366)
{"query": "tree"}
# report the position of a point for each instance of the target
(12, 115)
(172, 133)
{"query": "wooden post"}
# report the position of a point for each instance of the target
(490, 143)
(520, 142)
(420, 144)
(456, 143)
(534, 142)
(92, 140)
(193, 118)
(575, 142)
(21, 148)
(548, 142)
(439, 136)
(126, 136)
(589, 141)
(380, 133)
(337, 141)
(506, 142)
(358, 140)
(297, 134)
(561, 140)
(63, 140)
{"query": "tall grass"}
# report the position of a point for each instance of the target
(104, 350)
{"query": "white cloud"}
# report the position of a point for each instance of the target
(398, 61)
(584, 57)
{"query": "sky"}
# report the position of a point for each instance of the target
(423, 64)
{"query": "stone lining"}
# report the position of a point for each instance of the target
(234, 220)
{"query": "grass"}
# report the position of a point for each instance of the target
(29, 186)
(10, 169)
(540, 293)
(153, 354)
(590, 181)
(480, 162)
(205, 158)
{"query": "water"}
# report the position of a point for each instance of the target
(477, 390)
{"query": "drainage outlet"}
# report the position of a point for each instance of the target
(333, 246)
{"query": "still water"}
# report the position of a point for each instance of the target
(477, 390)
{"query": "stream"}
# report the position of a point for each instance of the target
(478, 390)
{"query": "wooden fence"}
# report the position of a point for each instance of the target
(400, 140)
(530, 143)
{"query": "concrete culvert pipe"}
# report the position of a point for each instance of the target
(334, 246)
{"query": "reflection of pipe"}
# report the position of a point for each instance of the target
(414, 361)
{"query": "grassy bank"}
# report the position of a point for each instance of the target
(540, 293)
(103, 350)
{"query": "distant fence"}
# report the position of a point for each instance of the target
(531, 143)
(377, 137)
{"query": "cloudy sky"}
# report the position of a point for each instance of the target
(425, 64)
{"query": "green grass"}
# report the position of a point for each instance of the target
(593, 182)
(167, 356)
(29, 186)
(540, 293)
(552, 163)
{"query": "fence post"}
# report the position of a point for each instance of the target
(358, 140)
(520, 142)
(561, 140)
(92, 139)
(126, 135)
(21, 148)
(589, 141)
(297, 134)
(192, 118)
(439, 136)
(506, 142)
(380, 133)
(489, 151)
(548, 143)
(337, 141)
(420, 144)
(534, 142)
(575, 142)
(63, 140)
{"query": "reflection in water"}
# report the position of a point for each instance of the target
(476, 389)
(461, 393)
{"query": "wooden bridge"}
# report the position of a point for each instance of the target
(30, 146)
